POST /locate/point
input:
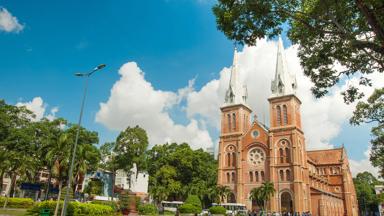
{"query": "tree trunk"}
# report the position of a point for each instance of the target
(48, 183)
(11, 190)
(13, 185)
(1, 180)
(58, 198)
(113, 184)
(372, 21)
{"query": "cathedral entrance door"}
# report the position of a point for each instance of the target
(286, 202)
(231, 198)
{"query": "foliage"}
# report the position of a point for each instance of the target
(372, 111)
(193, 200)
(17, 202)
(114, 205)
(189, 209)
(350, 33)
(262, 194)
(222, 191)
(177, 171)
(94, 187)
(131, 146)
(147, 209)
(74, 209)
(217, 210)
(365, 191)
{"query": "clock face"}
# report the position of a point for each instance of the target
(256, 157)
(255, 133)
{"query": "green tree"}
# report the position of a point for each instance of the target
(48, 135)
(350, 33)
(131, 146)
(372, 112)
(177, 171)
(16, 143)
(365, 190)
(262, 194)
(108, 161)
(223, 192)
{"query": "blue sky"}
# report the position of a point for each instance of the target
(172, 41)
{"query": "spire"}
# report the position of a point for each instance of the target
(284, 83)
(236, 94)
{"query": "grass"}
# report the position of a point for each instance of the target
(12, 212)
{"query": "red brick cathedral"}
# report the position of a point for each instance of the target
(250, 153)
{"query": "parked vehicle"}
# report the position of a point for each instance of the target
(233, 208)
(171, 205)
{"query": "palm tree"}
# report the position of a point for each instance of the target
(256, 195)
(268, 190)
(222, 192)
(61, 154)
(262, 194)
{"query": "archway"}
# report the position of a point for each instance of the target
(231, 198)
(286, 202)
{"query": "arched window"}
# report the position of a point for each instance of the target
(262, 176)
(228, 177)
(281, 172)
(287, 155)
(281, 155)
(278, 117)
(234, 159)
(233, 177)
(257, 176)
(234, 121)
(229, 122)
(288, 175)
(228, 159)
(285, 115)
(250, 176)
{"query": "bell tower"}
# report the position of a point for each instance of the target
(235, 121)
(289, 170)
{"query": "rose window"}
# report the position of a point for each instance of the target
(256, 156)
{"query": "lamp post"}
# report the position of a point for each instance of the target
(86, 75)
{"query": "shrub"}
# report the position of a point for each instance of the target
(51, 205)
(217, 210)
(147, 209)
(17, 202)
(112, 204)
(189, 209)
(74, 209)
(193, 200)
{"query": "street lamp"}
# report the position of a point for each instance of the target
(86, 75)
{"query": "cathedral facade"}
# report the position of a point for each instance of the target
(251, 153)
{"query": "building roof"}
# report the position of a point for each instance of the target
(328, 156)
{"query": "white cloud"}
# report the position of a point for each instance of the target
(9, 23)
(322, 118)
(358, 166)
(38, 107)
(134, 101)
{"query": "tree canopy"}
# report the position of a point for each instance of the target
(349, 33)
(372, 111)
(177, 171)
(365, 190)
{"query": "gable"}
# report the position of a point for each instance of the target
(257, 133)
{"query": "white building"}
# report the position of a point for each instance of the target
(136, 183)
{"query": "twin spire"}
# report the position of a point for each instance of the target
(283, 84)
(236, 94)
